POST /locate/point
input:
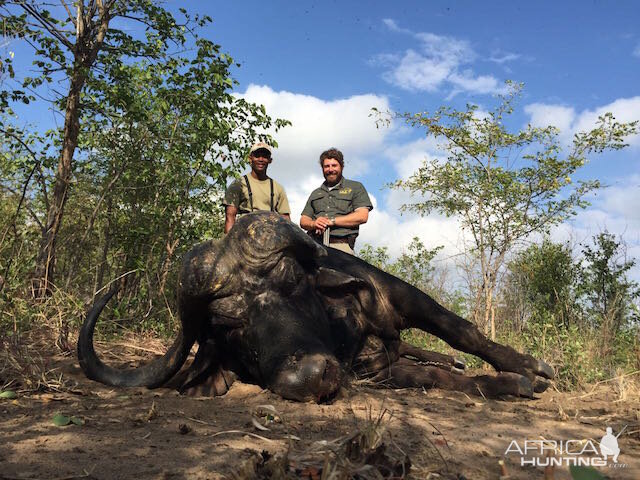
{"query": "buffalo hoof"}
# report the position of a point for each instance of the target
(540, 384)
(459, 364)
(533, 369)
(544, 370)
(515, 384)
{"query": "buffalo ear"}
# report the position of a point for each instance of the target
(328, 279)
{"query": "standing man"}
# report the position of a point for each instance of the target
(338, 207)
(255, 191)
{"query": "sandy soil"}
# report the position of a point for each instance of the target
(145, 434)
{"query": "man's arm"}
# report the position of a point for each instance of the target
(319, 225)
(353, 219)
(230, 213)
(307, 223)
(287, 216)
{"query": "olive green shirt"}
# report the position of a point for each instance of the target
(345, 197)
(237, 195)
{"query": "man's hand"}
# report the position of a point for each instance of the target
(321, 224)
(317, 226)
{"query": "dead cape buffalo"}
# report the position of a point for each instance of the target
(268, 305)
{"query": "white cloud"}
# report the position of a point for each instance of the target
(501, 58)
(417, 72)
(446, 48)
(622, 200)
(406, 158)
(569, 121)
(436, 62)
(542, 115)
(466, 81)
(636, 51)
(385, 60)
(624, 109)
(393, 26)
(386, 228)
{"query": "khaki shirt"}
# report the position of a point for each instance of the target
(237, 195)
(344, 198)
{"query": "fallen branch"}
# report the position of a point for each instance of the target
(243, 433)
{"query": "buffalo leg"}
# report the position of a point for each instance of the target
(374, 356)
(205, 376)
(432, 358)
(421, 311)
(217, 383)
(407, 374)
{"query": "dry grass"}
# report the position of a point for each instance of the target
(27, 363)
(369, 454)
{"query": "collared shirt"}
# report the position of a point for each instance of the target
(238, 196)
(342, 199)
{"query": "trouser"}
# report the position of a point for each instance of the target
(344, 247)
(344, 244)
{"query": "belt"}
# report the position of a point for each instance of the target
(350, 239)
(341, 239)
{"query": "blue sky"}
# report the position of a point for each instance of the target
(324, 65)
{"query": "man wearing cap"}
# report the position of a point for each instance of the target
(255, 191)
(335, 211)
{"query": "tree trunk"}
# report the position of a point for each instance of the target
(488, 302)
(493, 324)
(43, 278)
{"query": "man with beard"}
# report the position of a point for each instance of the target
(335, 211)
(255, 191)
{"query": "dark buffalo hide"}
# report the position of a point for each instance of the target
(268, 305)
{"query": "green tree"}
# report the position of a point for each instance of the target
(605, 283)
(541, 285)
(503, 186)
(415, 266)
(90, 47)
(378, 257)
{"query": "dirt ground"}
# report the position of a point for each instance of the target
(157, 434)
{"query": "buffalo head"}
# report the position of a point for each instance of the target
(252, 296)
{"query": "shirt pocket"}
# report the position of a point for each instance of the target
(315, 200)
(343, 204)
